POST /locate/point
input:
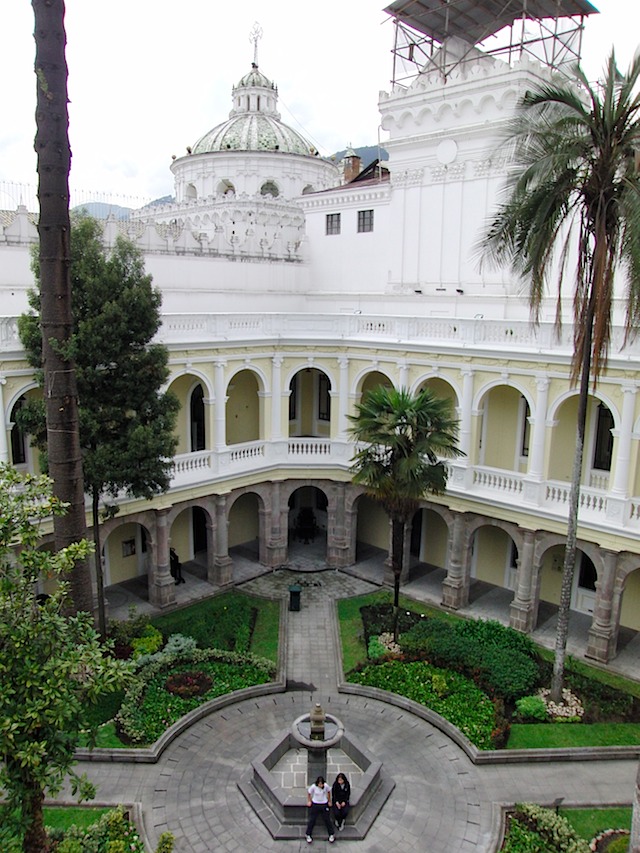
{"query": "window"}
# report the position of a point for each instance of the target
(333, 223)
(18, 443)
(269, 188)
(197, 419)
(604, 440)
(324, 399)
(365, 221)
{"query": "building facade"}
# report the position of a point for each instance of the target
(288, 293)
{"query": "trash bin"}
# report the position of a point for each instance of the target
(294, 597)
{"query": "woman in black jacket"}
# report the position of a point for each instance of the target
(340, 793)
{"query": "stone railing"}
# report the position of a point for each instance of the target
(508, 489)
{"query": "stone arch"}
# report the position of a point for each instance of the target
(438, 385)
(502, 437)
(490, 544)
(366, 378)
(549, 560)
(311, 411)
(270, 188)
(182, 384)
(244, 412)
(129, 548)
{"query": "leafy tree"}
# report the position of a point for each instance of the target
(54, 160)
(126, 421)
(52, 666)
(575, 197)
(404, 436)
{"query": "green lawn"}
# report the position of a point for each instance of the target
(65, 816)
(590, 822)
(553, 735)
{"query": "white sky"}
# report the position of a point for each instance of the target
(149, 77)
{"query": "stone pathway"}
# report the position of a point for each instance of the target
(442, 803)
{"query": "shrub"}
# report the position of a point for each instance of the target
(148, 643)
(124, 631)
(531, 709)
(375, 649)
(555, 831)
(521, 839)
(464, 704)
(112, 829)
(165, 843)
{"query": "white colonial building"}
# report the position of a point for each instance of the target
(288, 292)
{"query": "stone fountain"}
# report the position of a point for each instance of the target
(275, 787)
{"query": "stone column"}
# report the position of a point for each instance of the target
(223, 565)
(523, 609)
(601, 645)
(338, 539)
(220, 406)
(275, 530)
(162, 590)
(209, 423)
(455, 587)
(276, 398)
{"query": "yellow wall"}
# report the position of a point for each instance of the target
(243, 408)
(374, 380)
(181, 388)
(443, 390)
(501, 433)
(373, 523)
(491, 544)
(180, 535)
(563, 441)
(433, 547)
(122, 568)
(551, 575)
(630, 611)
(243, 520)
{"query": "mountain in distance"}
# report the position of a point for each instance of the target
(102, 209)
(366, 153)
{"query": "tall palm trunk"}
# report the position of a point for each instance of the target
(562, 630)
(97, 556)
(397, 559)
(54, 161)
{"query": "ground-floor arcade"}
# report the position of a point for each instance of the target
(273, 522)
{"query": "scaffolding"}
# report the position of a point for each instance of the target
(549, 31)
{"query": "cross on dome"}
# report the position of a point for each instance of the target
(255, 35)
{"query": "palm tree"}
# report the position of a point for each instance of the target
(61, 399)
(575, 198)
(404, 436)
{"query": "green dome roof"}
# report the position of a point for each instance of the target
(254, 123)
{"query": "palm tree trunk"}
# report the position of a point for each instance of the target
(61, 396)
(397, 557)
(562, 630)
(97, 556)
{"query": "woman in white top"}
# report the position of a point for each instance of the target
(319, 803)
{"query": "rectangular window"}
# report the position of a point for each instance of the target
(333, 223)
(365, 221)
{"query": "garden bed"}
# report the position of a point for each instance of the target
(436, 651)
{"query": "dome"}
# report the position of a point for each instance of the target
(253, 132)
(254, 122)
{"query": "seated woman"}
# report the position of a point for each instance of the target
(340, 793)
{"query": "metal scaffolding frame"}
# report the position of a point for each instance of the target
(549, 31)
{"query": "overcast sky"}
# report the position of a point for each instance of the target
(149, 77)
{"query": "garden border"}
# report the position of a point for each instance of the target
(151, 754)
(477, 756)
